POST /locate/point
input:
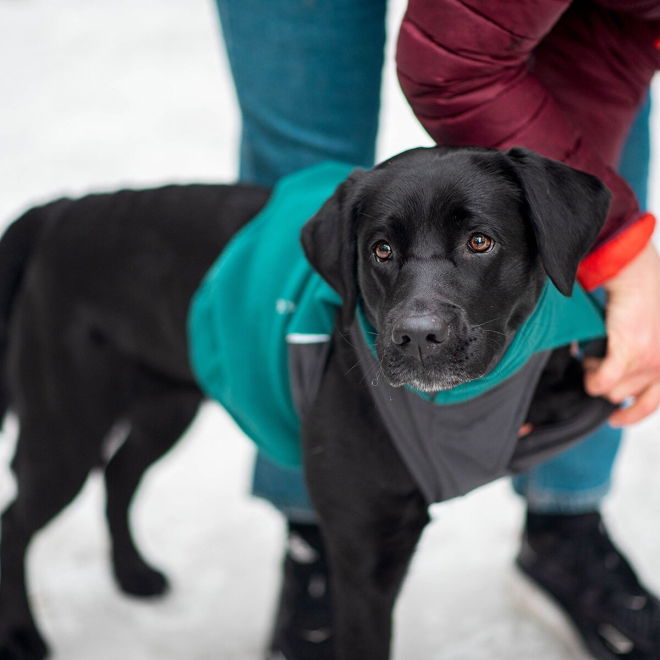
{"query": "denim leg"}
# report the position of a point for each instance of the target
(577, 480)
(308, 75)
(284, 488)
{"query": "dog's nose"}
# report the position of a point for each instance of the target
(421, 332)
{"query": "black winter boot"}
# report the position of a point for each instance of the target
(572, 561)
(303, 623)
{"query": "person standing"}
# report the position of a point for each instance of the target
(308, 77)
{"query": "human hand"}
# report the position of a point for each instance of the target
(631, 367)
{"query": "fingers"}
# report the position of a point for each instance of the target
(615, 381)
(601, 376)
(630, 386)
(644, 405)
(631, 368)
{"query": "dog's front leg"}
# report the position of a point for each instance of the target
(370, 510)
(368, 559)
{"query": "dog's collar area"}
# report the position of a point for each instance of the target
(556, 321)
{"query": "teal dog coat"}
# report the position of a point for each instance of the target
(259, 329)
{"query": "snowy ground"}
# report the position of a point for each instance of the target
(100, 95)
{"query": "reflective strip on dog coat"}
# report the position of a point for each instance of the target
(259, 330)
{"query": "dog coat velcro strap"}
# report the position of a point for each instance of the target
(545, 442)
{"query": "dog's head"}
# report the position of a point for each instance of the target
(447, 251)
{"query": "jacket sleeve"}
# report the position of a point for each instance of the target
(563, 80)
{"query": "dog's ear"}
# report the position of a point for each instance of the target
(328, 240)
(567, 209)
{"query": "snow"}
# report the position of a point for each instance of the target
(94, 96)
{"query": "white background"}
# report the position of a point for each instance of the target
(102, 95)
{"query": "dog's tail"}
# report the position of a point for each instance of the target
(16, 246)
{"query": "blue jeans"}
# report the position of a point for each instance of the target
(308, 76)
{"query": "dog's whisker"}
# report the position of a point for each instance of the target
(376, 374)
(368, 215)
(497, 332)
(375, 370)
(346, 337)
(348, 371)
(478, 325)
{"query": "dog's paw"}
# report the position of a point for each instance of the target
(21, 643)
(141, 581)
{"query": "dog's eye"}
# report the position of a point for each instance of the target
(480, 243)
(382, 251)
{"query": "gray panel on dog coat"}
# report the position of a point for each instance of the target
(452, 449)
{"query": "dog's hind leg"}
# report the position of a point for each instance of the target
(68, 388)
(47, 481)
(156, 422)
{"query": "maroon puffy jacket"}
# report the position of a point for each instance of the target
(563, 78)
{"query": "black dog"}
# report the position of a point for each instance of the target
(447, 250)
